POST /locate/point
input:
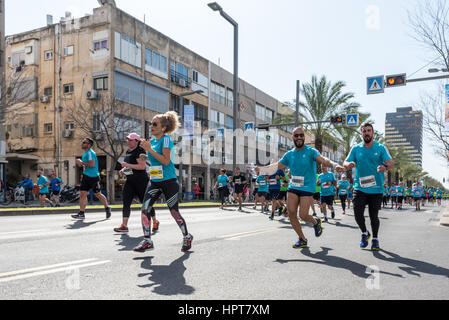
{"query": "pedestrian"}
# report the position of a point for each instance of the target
(302, 161)
(239, 181)
(163, 179)
(43, 183)
(90, 180)
(134, 169)
(371, 160)
(196, 191)
(222, 185)
(327, 182)
(55, 184)
(343, 186)
(27, 184)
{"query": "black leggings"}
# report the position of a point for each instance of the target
(170, 189)
(373, 201)
(343, 201)
(223, 193)
(134, 186)
(385, 200)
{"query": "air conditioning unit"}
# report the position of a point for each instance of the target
(182, 82)
(67, 133)
(92, 95)
(45, 99)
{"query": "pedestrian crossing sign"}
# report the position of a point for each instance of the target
(352, 120)
(375, 85)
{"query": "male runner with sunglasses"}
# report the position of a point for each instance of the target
(302, 161)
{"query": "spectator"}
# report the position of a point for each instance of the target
(55, 184)
(196, 190)
(28, 186)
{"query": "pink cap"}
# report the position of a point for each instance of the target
(133, 136)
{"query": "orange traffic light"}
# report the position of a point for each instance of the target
(396, 80)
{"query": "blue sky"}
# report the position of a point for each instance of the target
(283, 41)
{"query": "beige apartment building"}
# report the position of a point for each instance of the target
(2, 102)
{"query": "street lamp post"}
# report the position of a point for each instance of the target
(181, 111)
(216, 7)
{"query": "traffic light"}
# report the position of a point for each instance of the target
(337, 119)
(396, 80)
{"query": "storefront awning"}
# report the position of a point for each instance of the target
(19, 156)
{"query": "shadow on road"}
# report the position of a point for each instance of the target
(339, 224)
(128, 243)
(356, 268)
(166, 280)
(79, 224)
(414, 267)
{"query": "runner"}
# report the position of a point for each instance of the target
(283, 193)
(316, 198)
(343, 186)
(163, 179)
(43, 183)
(262, 181)
(417, 195)
(222, 183)
(275, 189)
(327, 182)
(423, 195)
(239, 180)
(90, 180)
(431, 197)
(371, 159)
(393, 195)
(400, 192)
(350, 194)
(302, 161)
(134, 169)
(55, 186)
(439, 195)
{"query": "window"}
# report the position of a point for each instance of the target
(230, 98)
(128, 50)
(48, 128)
(124, 125)
(28, 131)
(68, 88)
(68, 51)
(48, 91)
(69, 126)
(218, 93)
(179, 73)
(217, 119)
(155, 60)
(18, 58)
(260, 112)
(101, 83)
(100, 45)
(195, 76)
(48, 55)
(269, 115)
(96, 122)
(229, 122)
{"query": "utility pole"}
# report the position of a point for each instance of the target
(297, 103)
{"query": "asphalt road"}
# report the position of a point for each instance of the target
(235, 256)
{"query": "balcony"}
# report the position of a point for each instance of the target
(180, 79)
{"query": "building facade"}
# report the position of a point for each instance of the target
(404, 128)
(62, 76)
(2, 103)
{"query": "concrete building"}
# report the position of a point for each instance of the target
(404, 128)
(2, 102)
(66, 71)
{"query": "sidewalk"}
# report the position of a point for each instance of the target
(35, 208)
(444, 220)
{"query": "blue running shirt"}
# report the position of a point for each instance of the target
(90, 155)
(158, 171)
(41, 182)
(263, 184)
(275, 184)
(223, 181)
(326, 188)
(367, 179)
(302, 164)
(344, 186)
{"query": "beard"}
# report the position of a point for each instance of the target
(299, 143)
(367, 139)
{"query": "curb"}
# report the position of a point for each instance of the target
(38, 211)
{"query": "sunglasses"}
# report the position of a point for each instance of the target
(84, 142)
(154, 124)
(299, 135)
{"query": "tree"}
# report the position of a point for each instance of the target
(429, 22)
(107, 121)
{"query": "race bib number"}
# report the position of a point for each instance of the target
(326, 185)
(220, 185)
(368, 182)
(127, 171)
(273, 181)
(261, 183)
(343, 191)
(297, 182)
(237, 181)
(156, 172)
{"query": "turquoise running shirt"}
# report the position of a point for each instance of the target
(158, 171)
(263, 184)
(223, 181)
(41, 182)
(302, 164)
(327, 188)
(90, 155)
(343, 187)
(367, 179)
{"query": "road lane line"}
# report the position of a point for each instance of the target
(40, 273)
(12, 273)
(248, 233)
(26, 231)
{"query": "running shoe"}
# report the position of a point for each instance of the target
(108, 212)
(145, 244)
(187, 243)
(79, 216)
(300, 244)
(326, 219)
(121, 229)
(314, 214)
(365, 239)
(344, 212)
(285, 212)
(156, 225)
(375, 245)
(333, 214)
(318, 228)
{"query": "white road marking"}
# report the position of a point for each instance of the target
(26, 231)
(34, 272)
(248, 233)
